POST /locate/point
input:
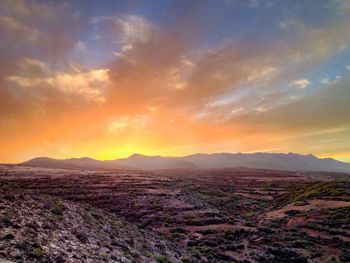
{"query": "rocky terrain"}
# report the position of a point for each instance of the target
(217, 215)
(41, 228)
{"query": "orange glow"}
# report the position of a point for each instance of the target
(112, 85)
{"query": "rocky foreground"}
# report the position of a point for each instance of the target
(191, 216)
(41, 228)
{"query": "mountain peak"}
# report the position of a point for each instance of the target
(137, 155)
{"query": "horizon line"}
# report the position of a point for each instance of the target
(177, 156)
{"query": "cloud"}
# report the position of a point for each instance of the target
(316, 123)
(341, 5)
(30, 9)
(30, 64)
(327, 109)
(300, 83)
(89, 85)
(34, 66)
(124, 30)
(14, 28)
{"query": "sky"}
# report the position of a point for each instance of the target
(107, 79)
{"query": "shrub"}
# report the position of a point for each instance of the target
(178, 230)
(5, 222)
(163, 259)
(234, 235)
(37, 252)
(345, 256)
(292, 212)
(8, 237)
(81, 237)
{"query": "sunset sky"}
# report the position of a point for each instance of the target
(107, 79)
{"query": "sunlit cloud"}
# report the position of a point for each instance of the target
(89, 84)
(300, 83)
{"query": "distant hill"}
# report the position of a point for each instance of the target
(79, 163)
(274, 161)
(140, 161)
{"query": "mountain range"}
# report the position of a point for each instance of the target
(274, 161)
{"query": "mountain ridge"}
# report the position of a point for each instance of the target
(272, 161)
